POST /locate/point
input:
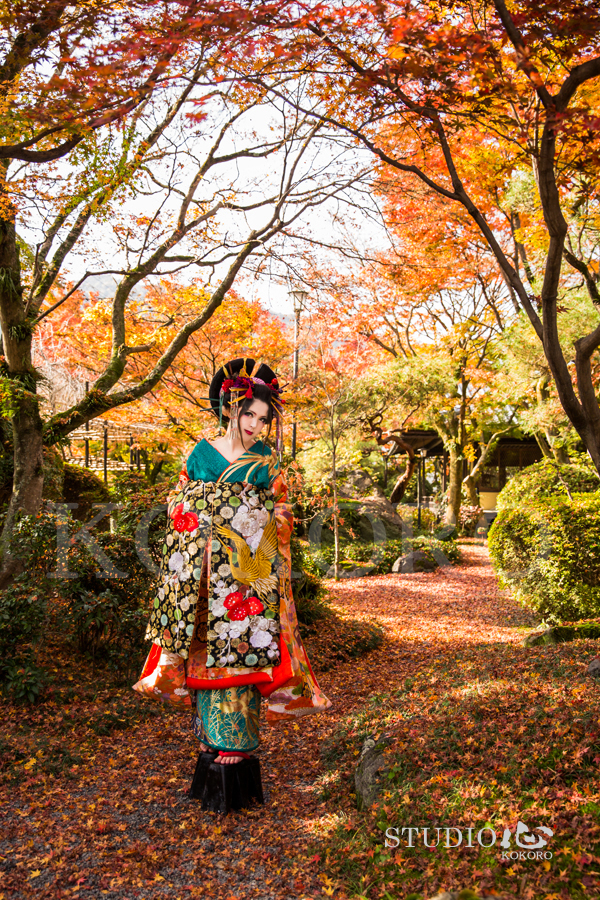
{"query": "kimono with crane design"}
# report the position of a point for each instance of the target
(223, 625)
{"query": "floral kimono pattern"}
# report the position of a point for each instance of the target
(239, 535)
(239, 524)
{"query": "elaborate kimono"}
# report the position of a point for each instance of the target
(223, 625)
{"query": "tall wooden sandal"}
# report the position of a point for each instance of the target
(223, 788)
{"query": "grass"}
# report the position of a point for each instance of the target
(494, 736)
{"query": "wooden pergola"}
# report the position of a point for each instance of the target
(510, 453)
(107, 432)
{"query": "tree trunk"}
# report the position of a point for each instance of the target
(402, 482)
(552, 451)
(544, 445)
(470, 483)
(560, 454)
(21, 402)
(454, 485)
(336, 528)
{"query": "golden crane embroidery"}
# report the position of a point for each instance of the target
(255, 571)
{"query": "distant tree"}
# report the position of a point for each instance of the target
(418, 85)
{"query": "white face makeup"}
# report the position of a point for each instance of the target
(253, 420)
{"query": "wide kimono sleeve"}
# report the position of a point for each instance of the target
(163, 676)
(301, 694)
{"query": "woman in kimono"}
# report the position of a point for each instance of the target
(223, 626)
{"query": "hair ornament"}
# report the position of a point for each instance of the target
(233, 384)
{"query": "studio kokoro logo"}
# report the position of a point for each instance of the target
(522, 844)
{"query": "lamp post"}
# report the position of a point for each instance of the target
(420, 479)
(298, 297)
(87, 428)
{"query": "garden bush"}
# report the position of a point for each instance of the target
(104, 617)
(307, 587)
(548, 553)
(24, 606)
(469, 518)
(381, 556)
(22, 616)
(436, 549)
(410, 514)
(137, 498)
(83, 487)
(547, 478)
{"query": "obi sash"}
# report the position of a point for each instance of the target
(230, 528)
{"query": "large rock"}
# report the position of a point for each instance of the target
(537, 638)
(357, 572)
(594, 668)
(559, 634)
(371, 766)
(380, 515)
(415, 561)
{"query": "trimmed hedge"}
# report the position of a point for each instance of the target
(548, 554)
(546, 478)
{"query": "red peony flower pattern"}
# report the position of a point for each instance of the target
(254, 606)
(238, 608)
(232, 600)
(239, 613)
(184, 521)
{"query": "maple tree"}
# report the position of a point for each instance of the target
(78, 337)
(69, 70)
(148, 187)
(330, 398)
(415, 84)
(435, 306)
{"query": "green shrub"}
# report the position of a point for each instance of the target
(307, 587)
(548, 554)
(24, 606)
(469, 518)
(434, 548)
(137, 498)
(82, 486)
(547, 478)
(106, 616)
(22, 616)
(381, 557)
(411, 514)
(103, 617)
(24, 683)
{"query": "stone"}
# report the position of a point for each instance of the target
(538, 638)
(465, 894)
(358, 572)
(415, 561)
(379, 517)
(559, 634)
(367, 778)
(594, 668)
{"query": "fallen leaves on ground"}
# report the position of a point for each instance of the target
(483, 732)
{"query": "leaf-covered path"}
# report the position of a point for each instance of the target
(96, 805)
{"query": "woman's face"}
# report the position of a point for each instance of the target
(253, 420)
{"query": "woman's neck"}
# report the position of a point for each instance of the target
(234, 443)
(231, 447)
